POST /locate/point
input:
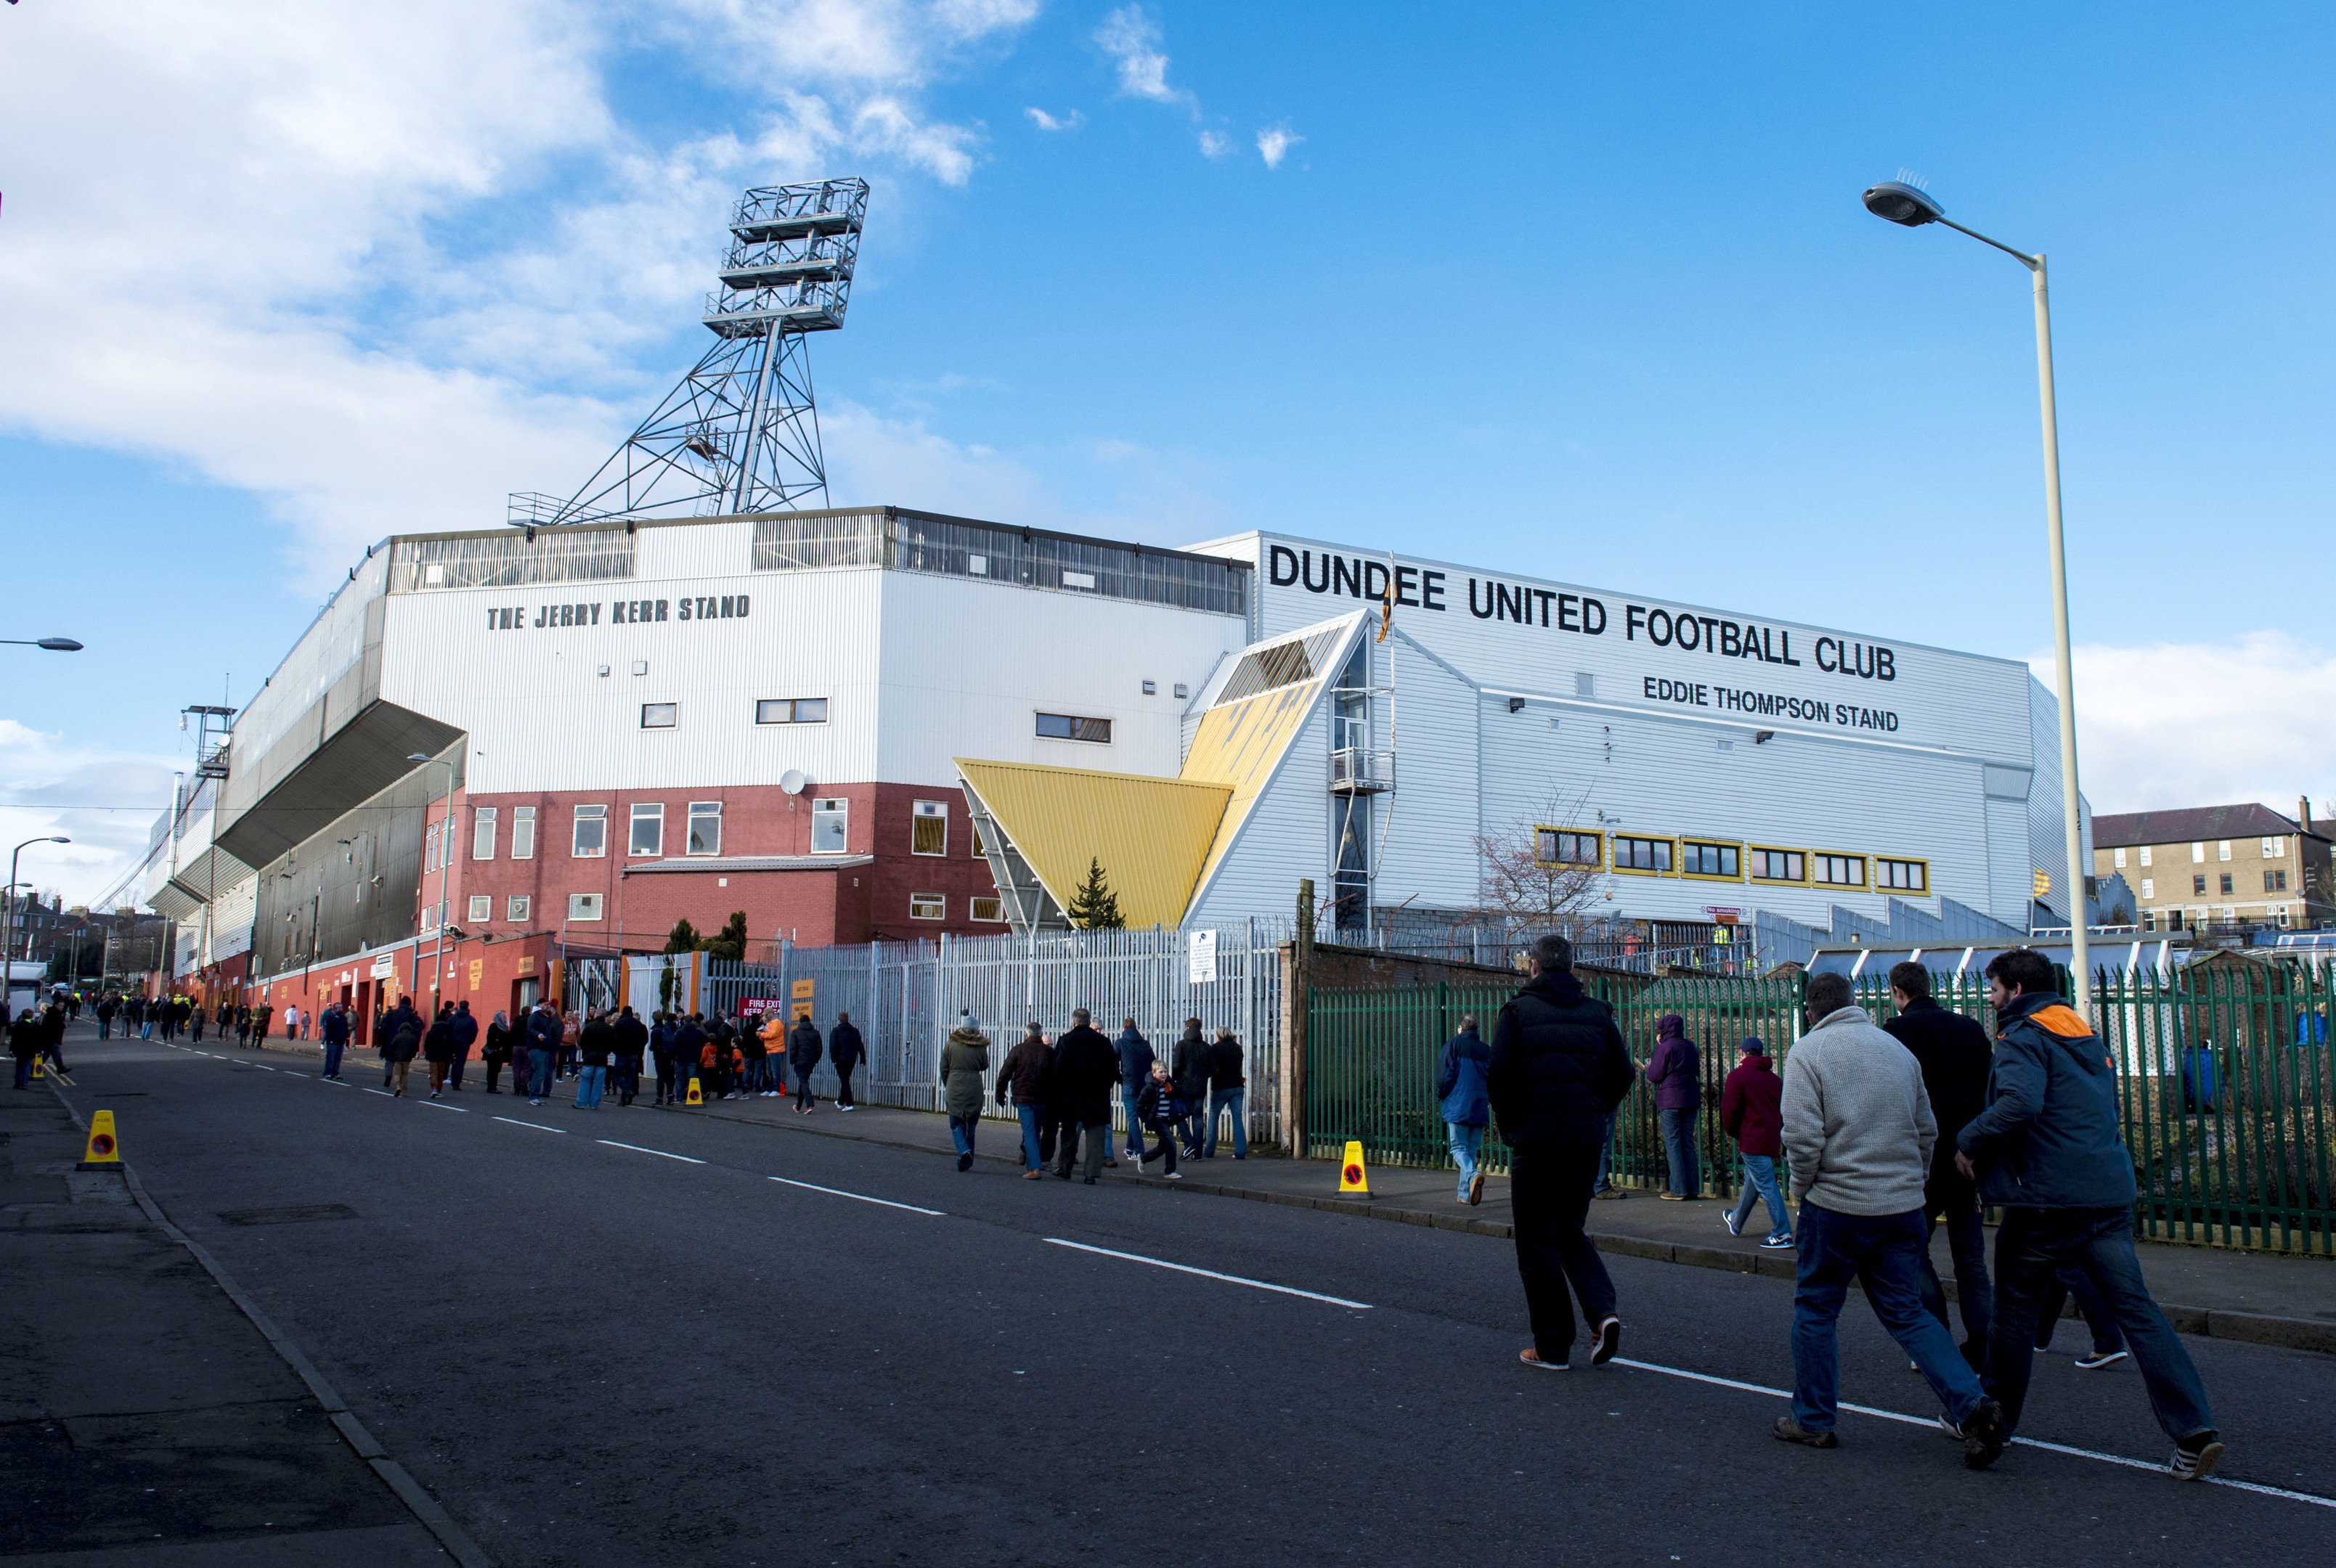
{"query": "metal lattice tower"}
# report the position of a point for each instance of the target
(740, 433)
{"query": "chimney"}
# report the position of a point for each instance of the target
(2303, 811)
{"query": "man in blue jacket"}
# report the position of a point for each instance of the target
(543, 1034)
(2046, 1148)
(334, 1027)
(1460, 1086)
(1134, 1072)
(465, 1030)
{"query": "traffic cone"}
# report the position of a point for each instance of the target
(695, 1097)
(37, 1073)
(103, 1152)
(1351, 1177)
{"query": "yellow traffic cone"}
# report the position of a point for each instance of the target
(103, 1152)
(1351, 1177)
(37, 1073)
(695, 1097)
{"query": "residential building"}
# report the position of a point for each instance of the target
(2208, 865)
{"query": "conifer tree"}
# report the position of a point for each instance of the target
(1094, 906)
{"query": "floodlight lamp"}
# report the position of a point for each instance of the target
(1902, 203)
(60, 644)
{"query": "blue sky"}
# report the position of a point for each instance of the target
(1584, 291)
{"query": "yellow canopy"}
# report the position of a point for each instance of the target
(1151, 835)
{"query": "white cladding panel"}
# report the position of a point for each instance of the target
(334, 641)
(1430, 819)
(1287, 836)
(2008, 862)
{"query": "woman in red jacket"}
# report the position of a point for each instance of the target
(1750, 1110)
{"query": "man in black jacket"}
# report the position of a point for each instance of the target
(1188, 1065)
(632, 1045)
(1086, 1070)
(843, 1053)
(1955, 1053)
(1558, 1068)
(803, 1052)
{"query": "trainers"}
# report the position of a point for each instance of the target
(2091, 1359)
(1476, 1189)
(1734, 1226)
(1779, 1245)
(1610, 1341)
(1787, 1430)
(1531, 1358)
(1983, 1435)
(2194, 1458)
(1609, 1193)
(1175, 1176)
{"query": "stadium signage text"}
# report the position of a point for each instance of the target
(617, 613)
(1582, 615)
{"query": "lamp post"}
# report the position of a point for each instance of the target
(445, 857)
(54, 645)
(1907, 205)
(8, 922)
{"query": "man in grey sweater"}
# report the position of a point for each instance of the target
(1858, 1132)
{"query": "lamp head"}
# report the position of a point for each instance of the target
(415, 757)
(60, 644)
(1903, 204)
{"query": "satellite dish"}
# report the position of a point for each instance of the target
(794, 781)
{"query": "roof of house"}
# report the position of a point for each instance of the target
(2193, 824)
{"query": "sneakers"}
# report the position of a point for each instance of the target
(1476, 1189)
(1787, 1430)
(1031, 1176)
(1610, 1341)
(1531, 1358)
(2194, 1458)
(1734, 1226)
(1175, 1176)
(2093, 1358)
(1609, 1193)
(1672, 1197)
(965, 1162)
(1779, 1245)
(1983, 1435)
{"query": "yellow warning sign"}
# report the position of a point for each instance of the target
(695, 1096)
(103, 1150)
(37, 1073)
(1351, 1178)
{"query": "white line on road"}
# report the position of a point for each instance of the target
(383, 1092)
(636, 1148)
(839, 1192)
(537, 1124)
(440, 1105)
(1209, 1274)
(342, 1081)
(1899, 1416)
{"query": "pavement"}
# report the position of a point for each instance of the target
(634, 1336)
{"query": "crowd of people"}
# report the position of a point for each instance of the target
(1886, 1130)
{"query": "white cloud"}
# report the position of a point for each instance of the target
(1131, 38)
(1214, 144)
(2204, 724)
(1275, 141)
(1046, 122)
(42, 774)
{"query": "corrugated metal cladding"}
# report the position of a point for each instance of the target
(1618, 710)
(1150, 835)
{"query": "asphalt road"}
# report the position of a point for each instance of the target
(683, 1352)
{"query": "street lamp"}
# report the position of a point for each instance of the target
(445, 857)
(54, 645)
(8, 922)
(1903, 204)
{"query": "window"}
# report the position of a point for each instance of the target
(1564, 846)
(974, 833)
(2221, 849)
(648, 829)
(2144, 855)
(1905, 875)
(2197, 853)
(2274, 882)
(2225, 887)
(516, 907)
(706, 828)
(2120, 859)
(990, 909)
(1151, 688)
(583, 906)
(2275, 848)
(1720, 860)
(1651, 856)
(830, 821)
(1837, 870)
(482, 908)
(591, 840)
(430, 848)
(660, 715)
(2149, 888)
(1779, 866)
(929, 829)
(1065, 727)
(522, 833)
(928, 906)
(483, 836)
(2198, 885)
(790, 710)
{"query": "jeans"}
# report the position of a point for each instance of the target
(843, 1071)
(1678, 1152)
(2070, 1282)
(1030, 1116)
(1221, 1100)
(24, 1070)
(1127, 1098)
(803, 1089)
(1760, 1182)
(538, 1073)
(961, 1130)
(2030, 1248)
(1604, 1179)
(333, 1049)
(1465, 1142)
(105, 1029)
(1099, 1139)
(1958, 1201)
(1548, 1191)
(590, 1083)
(665, 1080)
(198, 1035)
(625, 1077)
(1883, 1252)
(461, 1060)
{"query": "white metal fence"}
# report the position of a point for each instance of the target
(906, 997)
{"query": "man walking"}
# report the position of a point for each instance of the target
(2046, 1148)
(464, 1031)
(1188, 1068)
(543, 1032)
(1558, 1068)
(756, 1053)
(1675, 1073)
(1954, 1053)
(1085, 1069)
(595, 1043)
(803, 1052)
(632, 1041)
(1460, 1086)
(1135, 1054)
(843, 1053)
(1227, 1092)
(1022, 1078)
(688, 1049)
(1858, 1131)
(333, 1028)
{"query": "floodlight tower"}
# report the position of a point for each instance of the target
(740, 433)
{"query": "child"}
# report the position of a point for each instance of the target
(1750, 1111)
(1160, 1109)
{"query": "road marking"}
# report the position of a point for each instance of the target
(1209, 1274)
(636, 1148)
(383, 1092)
(1931, 1421)
(342, 1081)
(263, 1067)
(440, 1105)
(537, 1124)
(862, 1198)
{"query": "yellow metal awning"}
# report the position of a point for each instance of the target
(1151, 835)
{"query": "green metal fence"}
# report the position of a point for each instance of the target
(2224, 1078)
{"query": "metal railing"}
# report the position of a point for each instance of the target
(2226, 1083)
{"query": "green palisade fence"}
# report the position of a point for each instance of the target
(2225, 1080)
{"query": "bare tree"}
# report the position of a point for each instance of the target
(1541, 871)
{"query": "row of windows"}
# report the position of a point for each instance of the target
(587, 906)
(830, 821)
(814, 711)
(2273, 849)
(2273, 882)
(1720, 860)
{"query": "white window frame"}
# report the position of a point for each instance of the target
(598, 816)
(996, 908)
(644, 811)
(2149, 888)
(2144, 855)
(482, 908)
(483, 833)
(2198, 852)
(2221, 849)
(2117, 859)
(585, 906)
(522, 844)
(929, 811)
(701, 811)
(827, 808)
(928, 906)
(429, 848)
(517, 907)
(667, 716)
